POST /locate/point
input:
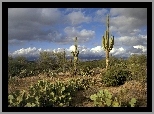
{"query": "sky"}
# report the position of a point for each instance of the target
(32, 30)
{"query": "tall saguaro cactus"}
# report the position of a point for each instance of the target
(64, 60)
(75, 54)
(107, 43)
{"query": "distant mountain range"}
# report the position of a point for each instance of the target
(90, 58)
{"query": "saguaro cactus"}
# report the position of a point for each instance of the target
(107, 43)
(64, 60)
(75, 54)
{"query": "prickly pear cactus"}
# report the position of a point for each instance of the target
(103, 98)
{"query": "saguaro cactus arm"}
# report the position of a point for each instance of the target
(111, 43)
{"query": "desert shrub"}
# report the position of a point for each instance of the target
(103, 63)
(15, 65)
(139, 72)
(113, 60)
(138, 66)
(116, 76)
(47, 94)
(19, 66)
(103, 98)
(92, 64)
(52, 61)
(85, 71)
(137, 59)
(50, 73)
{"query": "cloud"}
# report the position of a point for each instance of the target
(61, 26)
(84, 52)
(68, 10)
(119, 52)
(97, 50)
(82, 35)
(26, 52)
(130, 12)
(100, 15)
(28, 24)
(143, 48)
(78, 17)
(25, 16)
(131, 41)
(128, 21)
(71, 48)
(123, 21)
(16, 42)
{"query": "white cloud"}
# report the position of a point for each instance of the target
(129, 12)
(97, 50)
(119, 52)
(131, 41)
(144, 48)
(83, 51)
(123, 21)
(101, 12)
(31, 51)
(128, 21)
(83, 35)
(71, 48)
(24, 52)
(87, 33)
(124, 25)
(78, 18)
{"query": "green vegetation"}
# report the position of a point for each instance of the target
(104, 98)
(115, 77)
(63, 94)
(137, 64)
(134, 68)
(45, 94)
(20, 67)
(49, 63)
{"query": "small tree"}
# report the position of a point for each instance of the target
(46, 60)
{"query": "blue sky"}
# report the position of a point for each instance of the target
(32, 30)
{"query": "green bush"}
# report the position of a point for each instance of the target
(115, 77)
(42, 94)
(104, 98)
(137, 59)
(17, 99)
(139, 72)
(138, 66)
(46, 94)
(15, 65)
(92, 64)
(86, 71)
